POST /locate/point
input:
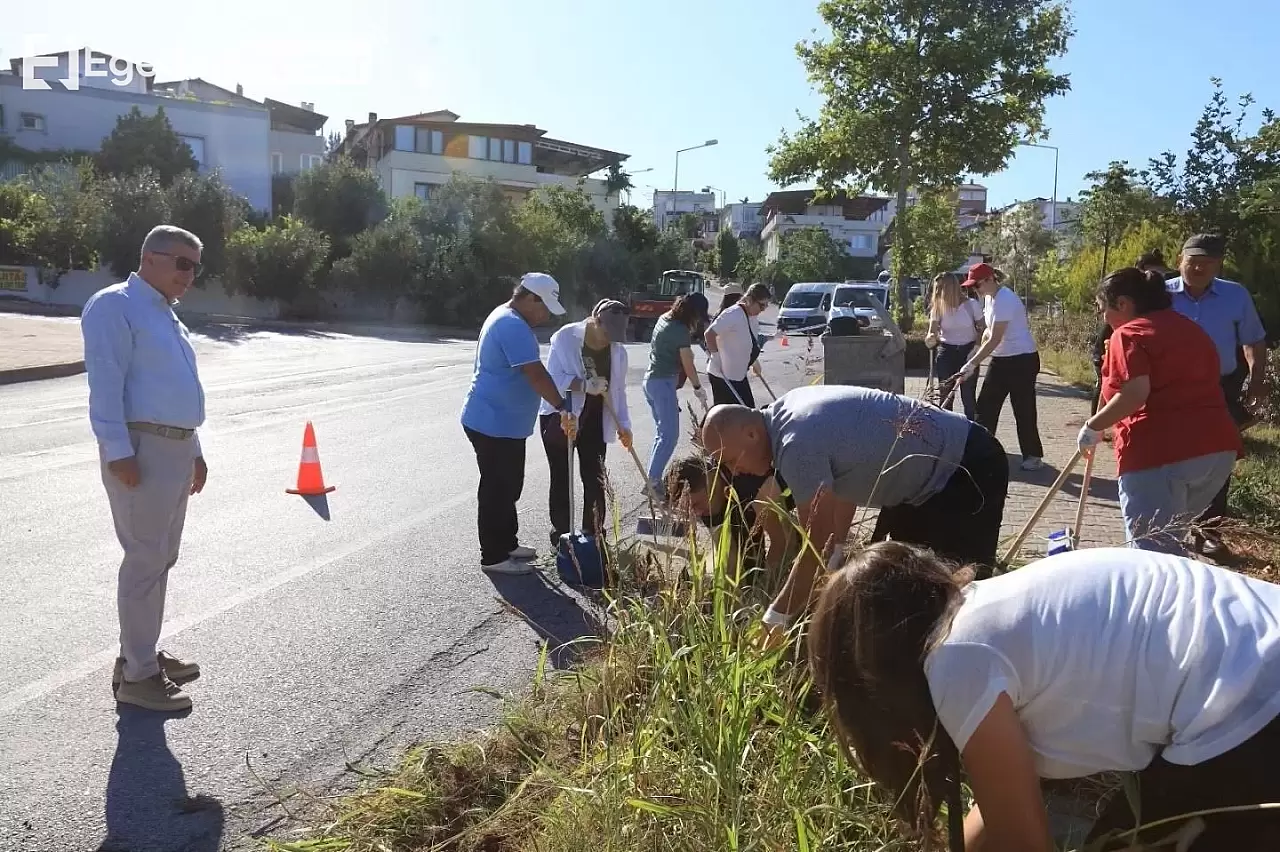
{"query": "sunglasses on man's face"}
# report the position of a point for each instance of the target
(183, 264)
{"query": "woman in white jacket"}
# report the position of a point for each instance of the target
(587, 361)
(733, 344)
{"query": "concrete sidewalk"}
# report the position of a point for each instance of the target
(33, 348)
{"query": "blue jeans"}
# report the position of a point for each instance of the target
(1158, 503)
(664, 403)
(950, 359)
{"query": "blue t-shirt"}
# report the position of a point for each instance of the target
(500, 402)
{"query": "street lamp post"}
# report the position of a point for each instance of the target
(675, 182)
(633, 174)
(1053, 205)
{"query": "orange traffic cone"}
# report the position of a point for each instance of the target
(784, 341)
(310, 479)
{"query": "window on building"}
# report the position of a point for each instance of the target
(310, 161)
(495, 149)
(861, 242)
(437, 142)
(525, 153)
(196, 144)
(508, 151)
(277, 163)
(478, 148)
(404, 137)
(32, 121)
(422, 190)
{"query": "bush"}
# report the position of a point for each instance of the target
(385, 261)
(282, 261)
(145, 143)
(131, 205)
(208, 208)
(339, 199)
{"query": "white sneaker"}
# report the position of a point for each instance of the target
(508, 566)
(523, 552)
(1032, 463)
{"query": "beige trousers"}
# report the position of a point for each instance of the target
(148, 520)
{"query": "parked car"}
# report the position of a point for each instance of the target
(804, 310)
(853, 300)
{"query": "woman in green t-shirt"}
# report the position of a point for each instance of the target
(671, 360)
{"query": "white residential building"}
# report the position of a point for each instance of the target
(297, 132)
(668, 206)
(414, 154)
(857, 222)
(742, 219)
(226, 131)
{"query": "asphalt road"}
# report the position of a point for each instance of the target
(329, 632)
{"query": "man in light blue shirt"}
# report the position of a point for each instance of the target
(145, 405)
(1225, 310)
(501, 411)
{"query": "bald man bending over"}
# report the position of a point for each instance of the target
(938, 479)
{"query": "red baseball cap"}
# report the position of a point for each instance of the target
(979, 272)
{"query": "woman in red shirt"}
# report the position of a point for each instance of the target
(1175, 441)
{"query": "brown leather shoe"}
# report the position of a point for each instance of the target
(176, 670)
(156, 693)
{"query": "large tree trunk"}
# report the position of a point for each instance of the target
(902, 237)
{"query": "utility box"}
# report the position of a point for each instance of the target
(873, 358)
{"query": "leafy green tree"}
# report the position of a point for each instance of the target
(687, 225)
(937, 245)
(916, 94)
(283, 261)
(727, 254)
(147, 142)
(211, 210)
(565, 235)
(617, 180)
(1115, 203)
(1218, 168)
(750, 265)
(473, 253)
(1020, 243)
(811, 254)
(130, 206)
(339, 199)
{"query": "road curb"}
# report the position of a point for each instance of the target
(40, 372)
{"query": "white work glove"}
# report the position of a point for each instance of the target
(701, 393)
(931, 340)
(966, 372)
(1088, 438)
(597, 386)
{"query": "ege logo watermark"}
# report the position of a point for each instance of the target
(120, 72)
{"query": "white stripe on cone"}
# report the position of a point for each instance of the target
(310, 455)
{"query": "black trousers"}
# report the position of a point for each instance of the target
(590, 450)
(1245, 775)
(722, 393)
(962, 521)
(501, 462)
(1233, 390)
(1014, 377)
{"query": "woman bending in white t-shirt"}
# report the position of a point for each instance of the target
(955, 323)
(1104, 659)
(1015, 363)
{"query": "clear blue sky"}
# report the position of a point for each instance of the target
(648, 78)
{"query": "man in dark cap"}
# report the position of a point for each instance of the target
(1225, 310)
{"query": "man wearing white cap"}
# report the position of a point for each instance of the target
(501, 411)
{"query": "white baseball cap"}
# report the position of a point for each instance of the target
(546, 288)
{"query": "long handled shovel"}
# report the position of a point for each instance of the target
(1084, 496)
(652, 524)
(1040, 510)
(765, 382)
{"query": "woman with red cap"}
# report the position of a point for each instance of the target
(1015, 363)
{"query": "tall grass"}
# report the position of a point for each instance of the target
(679, 734)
